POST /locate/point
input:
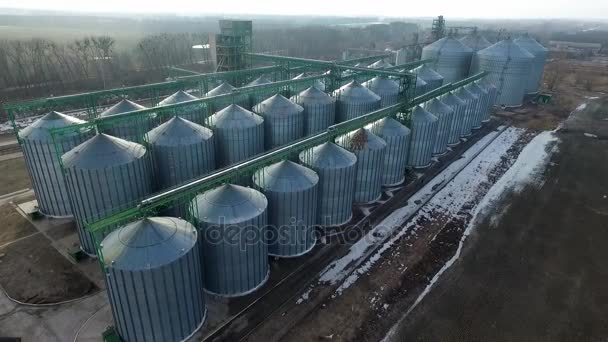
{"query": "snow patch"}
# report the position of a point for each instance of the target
(589, 135)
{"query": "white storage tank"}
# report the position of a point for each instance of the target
(232, 222)
(469, 114)
(336, 168)
(42, 161)
(370, 151)
(133, 128)
(538, 63)
(397, 138)
(154, 281)
(459, 107)
(192, 113)
(482, 105)
(354, 100)
(283, 120)
(432, 78)
(492, 92)
(422, 142)
(476, 42)
(291, 190)
(388, 90)
(105, 174)
(451, 58)
(445, 116)
(319, 110)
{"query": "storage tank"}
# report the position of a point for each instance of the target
(291, 190)
(319, 110)
(432, 78)
(491, 90)
(451, 58)
(104, 174)
(192, 113)
(422, 141)
(509, 68)
(397, 138)
(319, 84)
(283, 120)
(380, 64)
(538, 63)
(257, 98)
(239, 134)
(445, 116)
(469, 113)
(388, 90)
(421, 86)
(476, 42)
(132, 129)
(370, 151)
(153, 280)
(336, 168)
(459, 107)
(223, 89)
(481, 105)
(354, 100)
(42, 161)
(181, 150)
(232, 221)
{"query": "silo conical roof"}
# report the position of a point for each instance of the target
(427, 74)
(235, 116)
(121, 107)
(258, 81)
(420, 83)
(148, 243)
(102, 151)
(312, 95)
(178, 97)
(354, 92)
(328, 155)
(362, 139)
(531, 45)
(389, 127)
(475, 41)
(448, 44)
(286, 176)
(382, 85)
(437, 106)
(452, 100)
(40, 129)
(421, 115)
(361, 65)
(465, 94)
(224, 88)
(278, 104)
(230, 204)
(380, 64)
(178, 131)
(506, 49)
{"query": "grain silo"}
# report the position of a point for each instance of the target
(445, 116)
(451, 58)
(422, 141)
(482, 105)
(223, 89)
(292, 191)
(509, 67)
(232, 222)
(432, 78)
(469, 113)
(283, 120)
(319, 110)
(192, 113)
(380, 64)
(133, 128)
(104, 174)
(492, 92)
(181, 150)
(397, 138)
(476, 42)
(257, 98)
(354, 100)
(421, 86)
(370, 151)
(388, 90)
(538, 63)
(154, 281)
(239, 134)
(336, 168)
(319, 84)
(42, 161)
(459, 107)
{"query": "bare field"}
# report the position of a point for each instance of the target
(14, 176)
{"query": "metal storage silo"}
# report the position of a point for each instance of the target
(153, 279)
(422, 142)
(42, 161)
(459, 107)
(239, 134)
(193, 113)
(370, 151)
(388, 90)
(291, 190)
(257, 98)
(432, 78)
(132, 129)
(319, 110)
(182, 150)
(283, 120)
(421, 86)
(509, 67)
(397, 138)
(491, 90)
(476, 42)
(469, 113)
(380, 64)
(354, 100)
(336, 168)
(319, 84)
(223, 89)
(451, 58)
(232, 222)
(538, 63)
(482, 105)
(104, 174)
(445, 117)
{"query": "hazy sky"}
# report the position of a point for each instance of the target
(400, 8)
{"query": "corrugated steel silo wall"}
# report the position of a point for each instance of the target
(509, 77)
(368, 180)
(346, 111)
(444, 125)
(281, 130)
(456, 125)
(317, 117)
(131, 129)
(235, 145)
(422, 143)
(161, 304)
(453, 67)
(97, 193)
(395, 159)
